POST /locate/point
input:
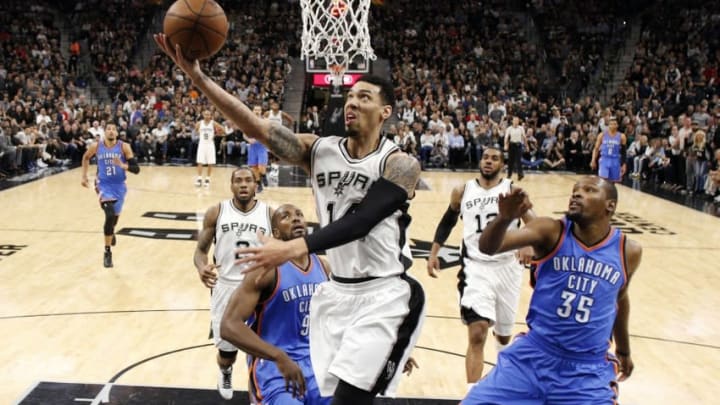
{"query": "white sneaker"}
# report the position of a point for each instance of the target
(41, 164)
(198, 182)
(207, 183)
(224, 383)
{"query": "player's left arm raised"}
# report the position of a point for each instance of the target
(621, 333)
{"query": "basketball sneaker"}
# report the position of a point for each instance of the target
(114, 241)
(207, 182)
(224, 383)
(107, 259)
(198, 181)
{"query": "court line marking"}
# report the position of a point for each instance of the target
(454, 318)
(27, 392)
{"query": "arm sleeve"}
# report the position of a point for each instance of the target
(382, 199)
(446, 225)
(133, 166)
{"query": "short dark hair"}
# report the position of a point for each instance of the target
(610, 189)
(497, 148)
(243, 167)
(387, 91)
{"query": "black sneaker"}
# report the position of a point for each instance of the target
(107, 260)
(114, 241)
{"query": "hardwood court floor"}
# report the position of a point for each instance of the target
(66, 318)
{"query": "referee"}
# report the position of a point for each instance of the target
(514, 141)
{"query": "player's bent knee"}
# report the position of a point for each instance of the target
(347, 394)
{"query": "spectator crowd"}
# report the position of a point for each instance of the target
(464, 71)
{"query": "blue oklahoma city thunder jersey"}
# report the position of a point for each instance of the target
(108, 172)
(283, 319)
(610, 145)
(574, 304)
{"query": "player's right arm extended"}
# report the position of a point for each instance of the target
(89, 153)
(205, 270)
(596, 150)
(447, 223)
(540, 233)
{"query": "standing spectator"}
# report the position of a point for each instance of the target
(514, 142)
(573, 152)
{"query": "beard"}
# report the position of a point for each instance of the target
(573, 216)
(489, 176)
(351, 132)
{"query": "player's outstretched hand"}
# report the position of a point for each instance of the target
(270, 255)
(626, 366)
(410, 365)
(190, 67)
(433, 265)
(208, 275)
(514, 204)
(292, 373)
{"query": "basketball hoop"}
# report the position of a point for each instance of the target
(337, 73)
(336, 30)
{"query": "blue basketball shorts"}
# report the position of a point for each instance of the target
(267, 385)
(257, 154)
(525, 374)
(112, 192)
(609, 170)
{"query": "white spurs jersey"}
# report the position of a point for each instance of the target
(339, 182)
(235, 229)
(478, 208)
(206, 132)
(272, 117)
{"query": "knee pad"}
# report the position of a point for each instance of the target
(227, 355)
(110, 217)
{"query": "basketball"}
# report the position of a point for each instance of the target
(199, 26)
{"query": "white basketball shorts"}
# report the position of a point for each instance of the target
(363, 333)
(491, 291)
(206, 153)
(219, 299)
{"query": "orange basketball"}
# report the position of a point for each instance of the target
(199, 26)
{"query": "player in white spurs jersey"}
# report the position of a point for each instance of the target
(206, 129)
(365, 347)
(489, 285)
(231, 224)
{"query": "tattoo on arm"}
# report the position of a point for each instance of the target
(404, 171)
(286, 145)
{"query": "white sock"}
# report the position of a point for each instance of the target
(499, 346)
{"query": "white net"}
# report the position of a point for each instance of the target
(336, 30)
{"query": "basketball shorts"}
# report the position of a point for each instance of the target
(206, 153)
(528, 374)
(363, 333)
(218, 302)
(112, 192)
(609, 169)
(267, 385)
(490, 291)
(257, 154)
